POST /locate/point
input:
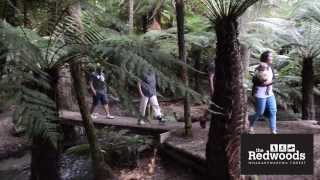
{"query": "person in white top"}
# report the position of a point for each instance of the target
(262, 90)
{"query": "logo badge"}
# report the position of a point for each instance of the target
(277, 154)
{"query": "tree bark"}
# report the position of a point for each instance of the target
(131, 13)
(101, 170)
(245, 58)
(223, 146)
(66, 97)
(307, 89)
(3, 59)
(183, 58)
(317, 106)
(197, 80)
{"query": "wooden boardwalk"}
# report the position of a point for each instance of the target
(190, 152)
(120, 122)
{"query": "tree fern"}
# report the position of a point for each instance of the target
(35, 110)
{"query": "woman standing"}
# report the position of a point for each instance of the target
(265, 99)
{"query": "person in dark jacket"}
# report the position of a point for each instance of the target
(148, 93)
(98, 87)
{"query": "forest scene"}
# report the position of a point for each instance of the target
(154, 89)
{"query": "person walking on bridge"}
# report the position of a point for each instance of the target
(98, 87)
(148, 93)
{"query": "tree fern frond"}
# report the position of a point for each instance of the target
(35, 109)
(217, 9)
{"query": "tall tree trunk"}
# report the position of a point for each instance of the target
(317, 106)
(183, 58)
(307, 89)
(131, 11)
(44, 156)
(196, 58)
(3, 59)
(144, 23)
(101, 170)
(223, 146)
(66, 97)
(245, 58)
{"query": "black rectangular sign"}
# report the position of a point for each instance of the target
(277, 154)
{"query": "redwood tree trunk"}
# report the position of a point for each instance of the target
(307, 89)
(183, 58)
(223, 146)
(101, 170)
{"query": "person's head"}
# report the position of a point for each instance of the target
(148, 70)
(99, 70)
(266, 57)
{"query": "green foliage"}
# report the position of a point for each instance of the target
(119, 147)
(122, 56)
(31, 92)
(217, 10)
(197, 23)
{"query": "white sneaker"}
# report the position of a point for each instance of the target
(109, 117)
(251, 130)
(141, 122)
(274, 132)
(93, 116)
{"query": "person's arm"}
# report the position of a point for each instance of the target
(92, 88)
(211, 82)
(270, 82)
(139, 88)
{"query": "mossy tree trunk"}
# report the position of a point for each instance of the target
(101, 170)
(183, 58)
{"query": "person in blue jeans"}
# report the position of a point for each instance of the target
(264, 96)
